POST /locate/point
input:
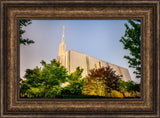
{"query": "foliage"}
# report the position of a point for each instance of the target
(76, 84)
(78, 96)
(46, 82)
(53, 73)
(24, 23)
(131, 42)
(123, 87)
(32, 81)
(43, 82)
(129, 87)
(103, 80)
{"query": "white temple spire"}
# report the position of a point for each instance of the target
(63, 30)
(62, 46)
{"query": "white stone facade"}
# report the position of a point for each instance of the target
(72, 59)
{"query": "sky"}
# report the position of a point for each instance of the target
(97, 38)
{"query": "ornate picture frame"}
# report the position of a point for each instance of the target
(145, 11)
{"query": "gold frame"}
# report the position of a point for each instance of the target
(146, 11)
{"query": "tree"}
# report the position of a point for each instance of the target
(128, 87)
(32, 81)
(133, 87)
(53, 75)
(43, 82)
(76, 84)
(123, 87)
(131, 41)
(103, 80)
(24, 23)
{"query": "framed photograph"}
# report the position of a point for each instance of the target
(70, 71)
(79, 58)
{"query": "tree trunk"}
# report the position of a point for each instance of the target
(123, 94)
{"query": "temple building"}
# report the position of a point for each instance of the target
(71, 59)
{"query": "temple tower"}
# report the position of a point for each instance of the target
(62, 46)
(72, 59)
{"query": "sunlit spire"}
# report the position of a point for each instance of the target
(63, 30)
(63, 34)
(62, 46)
